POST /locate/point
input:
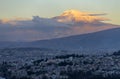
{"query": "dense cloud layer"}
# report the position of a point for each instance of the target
(69, 23)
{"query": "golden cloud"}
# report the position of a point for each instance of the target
(13, 20)
(77, 16)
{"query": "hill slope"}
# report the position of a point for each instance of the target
(106, 40)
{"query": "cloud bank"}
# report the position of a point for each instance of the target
(71, 22)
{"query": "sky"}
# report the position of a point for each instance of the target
(51, 8)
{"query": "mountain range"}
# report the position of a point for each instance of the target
(102, 40)
(72, 30)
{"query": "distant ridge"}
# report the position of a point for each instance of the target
(106, 40)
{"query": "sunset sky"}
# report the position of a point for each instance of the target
(50, 8)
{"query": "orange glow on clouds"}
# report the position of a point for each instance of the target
(13, 21)
(8, 20)
(77, 16)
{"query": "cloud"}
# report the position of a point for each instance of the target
(13, 21)
(73, 16)
(100, 14)
(37, 28)
(29, 30)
